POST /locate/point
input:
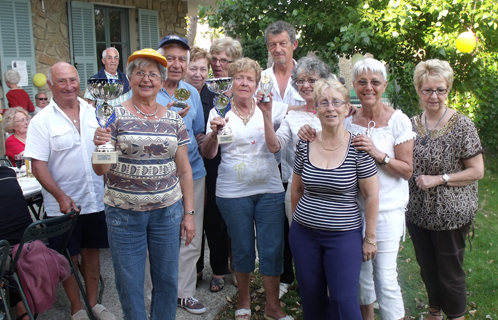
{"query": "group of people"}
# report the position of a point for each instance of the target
(306, 176)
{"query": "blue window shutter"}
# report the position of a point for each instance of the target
(148, 21)
(16, 41)
(82, 39)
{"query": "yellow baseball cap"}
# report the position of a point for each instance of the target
(149, 53)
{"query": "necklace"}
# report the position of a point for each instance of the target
(371, 124)
(312, 111)
(426, 138)
(333, 149)
(145, 114)
(20, 139)
(246, 119)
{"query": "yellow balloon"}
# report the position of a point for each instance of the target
(39, 79)
(466, 42)
(356, 57)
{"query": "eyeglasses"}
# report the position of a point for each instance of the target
(374, 83)
(152, 75)
(335, 103)
(22, 120)
(42, 99)
(222, 61)
(310, 81)
(429, 92)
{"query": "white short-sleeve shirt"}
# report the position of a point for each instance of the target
(52, 137)
(247, 166)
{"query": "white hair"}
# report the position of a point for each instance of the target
(369, 65)
(104, 53)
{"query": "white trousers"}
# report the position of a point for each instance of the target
(187, 271)
(385, 289)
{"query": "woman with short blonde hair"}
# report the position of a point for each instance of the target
(15, 121)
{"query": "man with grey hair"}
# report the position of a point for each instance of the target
(281, 42)
(110, 60)
(59, 144)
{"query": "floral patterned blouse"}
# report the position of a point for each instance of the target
(443, 151)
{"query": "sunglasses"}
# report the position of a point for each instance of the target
(42, 99)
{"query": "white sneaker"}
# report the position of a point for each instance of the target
(80, 315)
(284, 287)
(101, 313)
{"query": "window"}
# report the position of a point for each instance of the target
(111, 30)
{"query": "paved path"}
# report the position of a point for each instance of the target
(213, 301)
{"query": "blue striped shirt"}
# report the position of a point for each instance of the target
(329, 198)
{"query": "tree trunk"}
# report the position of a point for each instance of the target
(192, 30)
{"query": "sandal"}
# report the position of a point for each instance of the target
(242, 313)
(217, 283)
(437, 313)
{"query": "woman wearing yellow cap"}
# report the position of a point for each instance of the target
(144, 191)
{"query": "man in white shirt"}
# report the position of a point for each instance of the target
(281, 42)
(59, 144)
(110, 60)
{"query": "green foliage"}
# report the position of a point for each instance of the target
(256, 50)
(398, 32)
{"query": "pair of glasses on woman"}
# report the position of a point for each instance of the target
(429, 92)
(373, 83)
(44, 99)
(222, 61)
(301, 82)
(152, 75)
(335, 103)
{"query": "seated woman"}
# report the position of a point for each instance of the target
(15, 219)
(17, 96)
(15, 122)
(326, 232)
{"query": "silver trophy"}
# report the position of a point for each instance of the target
(181, 95)
(105, 89)
(222, 104)
(265, 85)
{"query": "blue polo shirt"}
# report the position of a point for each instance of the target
(194, 121)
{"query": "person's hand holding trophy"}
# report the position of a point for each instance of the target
(265, 85)
(105, 89)
(222, 104)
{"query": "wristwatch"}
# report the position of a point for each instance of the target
(446, 178)
(385, 160)
(191, 212)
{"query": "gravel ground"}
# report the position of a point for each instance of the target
(213, 301)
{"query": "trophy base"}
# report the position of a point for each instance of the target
(225, 138)
(265, 99)
(105, 157)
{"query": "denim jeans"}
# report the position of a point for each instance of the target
(265, 212)
(130, 234)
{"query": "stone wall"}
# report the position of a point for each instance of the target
(50, 27)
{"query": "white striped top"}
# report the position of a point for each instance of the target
(329, 198)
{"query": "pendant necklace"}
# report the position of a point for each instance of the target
(246, 119)
(371, 124)
(333, 149)
(426, 138)
(145, 114)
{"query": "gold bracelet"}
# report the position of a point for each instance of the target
(211, 137)
(370, 241)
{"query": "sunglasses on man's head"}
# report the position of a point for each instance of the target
(42, 99)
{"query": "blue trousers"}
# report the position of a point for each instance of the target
(130, 234)
(327, 259)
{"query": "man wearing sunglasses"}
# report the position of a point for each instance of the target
(110, 70)
(41, 101)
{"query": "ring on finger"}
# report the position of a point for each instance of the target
(96, 137)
